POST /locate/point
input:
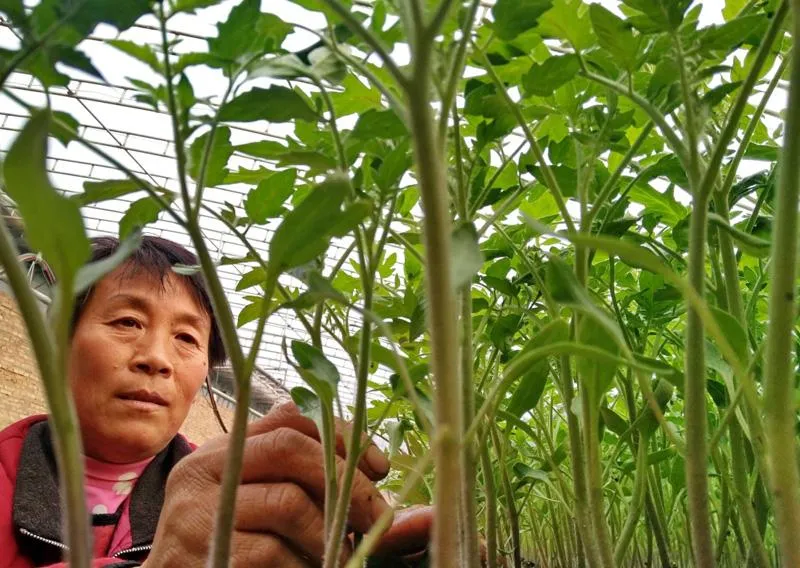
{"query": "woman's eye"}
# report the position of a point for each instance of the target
(186, 338)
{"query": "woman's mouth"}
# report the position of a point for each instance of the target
(143, 399)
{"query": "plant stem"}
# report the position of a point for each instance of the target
(65, 427)
(511, 505)
(779, 369)
(636, 505)
(334, 543)
(180, 151)
(471, 546)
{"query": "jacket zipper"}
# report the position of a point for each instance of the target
(65, 547)
(132, 550)
(42, 539)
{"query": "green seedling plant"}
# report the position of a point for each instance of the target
(569, 309)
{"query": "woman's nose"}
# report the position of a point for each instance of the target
(151, 358)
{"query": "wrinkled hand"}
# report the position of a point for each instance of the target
(279, 507)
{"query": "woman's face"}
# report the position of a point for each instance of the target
(139, 355)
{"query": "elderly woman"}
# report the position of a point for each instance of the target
(143, 341)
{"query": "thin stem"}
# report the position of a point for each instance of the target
(65, 426)
(755, 120)
(550, 179)
(355, 26)
(636, 505)
(742, 101)
(779, 369)
(180, 150)
(655, 115)
(457, 68)
(608, 188)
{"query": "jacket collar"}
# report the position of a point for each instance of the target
(37, 505)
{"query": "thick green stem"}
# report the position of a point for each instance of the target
(64, 420)
(695, 399)
(779, 367)
(594, 491)
(441, 313)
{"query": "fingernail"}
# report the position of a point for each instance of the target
(376, 461)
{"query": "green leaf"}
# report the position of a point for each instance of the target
(731, 35)
(65, 127)
(596, 378)
(276, 104)
(320, 374)
(266, 149)
(531, 387)
(393, 166)
(53, 223)
(92, 273)
(614, 35)
(139, 214)
(99, 191)
(267, 199)
(384, 124)
(189, 6)
(568, 20)
(543, 79)
(219, 154)
(250, 313)
(306, 231)
(355, 97)
(139, 51)
(613, 421)
(514, 17)
(308, 403)
(15, 10)
(248, 32)
(751, 244)
(253, 278)
(733, 332)
(467, 256)
(664, 15)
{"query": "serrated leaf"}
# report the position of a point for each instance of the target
(99, 191)
(514, 17)
(306, 231)
(568, 20)
(379, 124)
(53, 223)
(253, 278)
(140, 51)
(219, 154)
(308, 404)
(543, 79)
(140, 213)
(532, 384)
(320, 374)
(276, 104)
(266, 200)
(614, 35)
(65, 127)
(248, 32)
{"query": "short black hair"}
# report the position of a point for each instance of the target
(156, 256)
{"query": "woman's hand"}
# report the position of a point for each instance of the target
(279, 517)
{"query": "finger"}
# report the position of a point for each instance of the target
(264, 551)
(410, 532)
(285, 510)
(286, 455)
(373, 464)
